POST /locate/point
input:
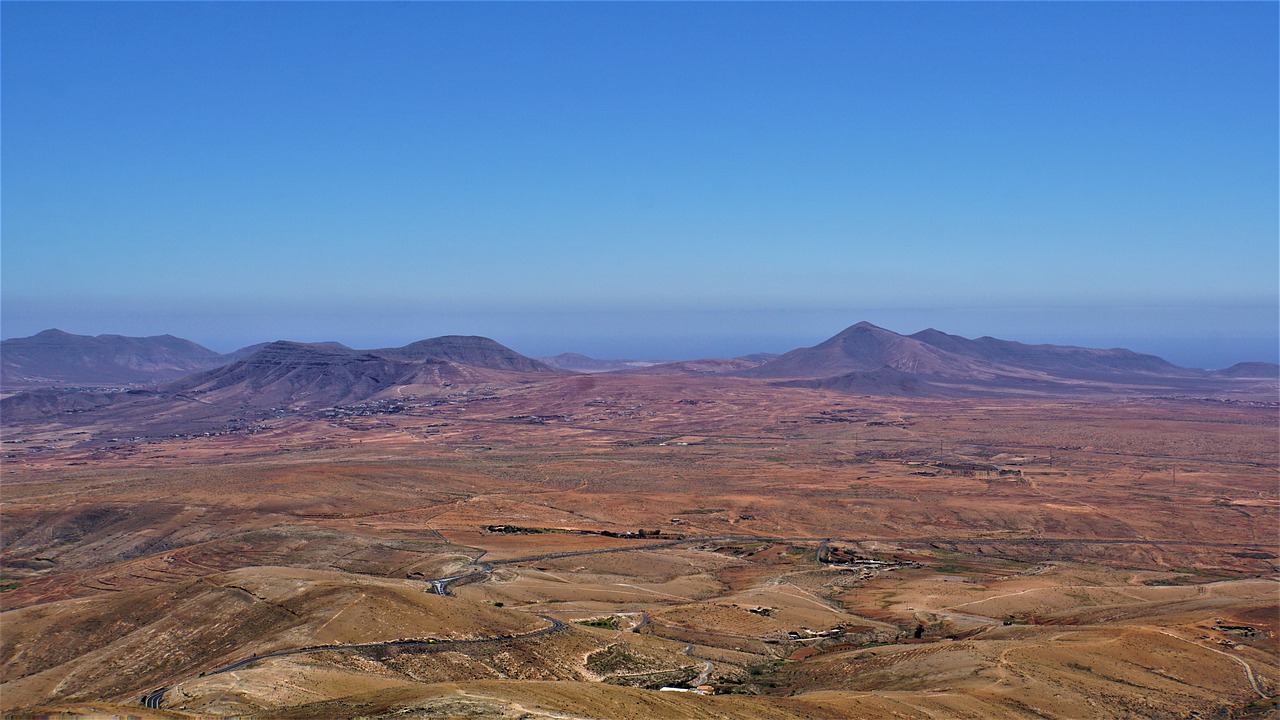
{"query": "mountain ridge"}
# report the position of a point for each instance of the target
(863, 358)
(868, 359)
(291, 373)
(55, 356)
(865, 347)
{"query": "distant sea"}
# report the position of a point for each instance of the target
(1210, 353)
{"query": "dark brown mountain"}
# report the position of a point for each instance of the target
(57, 357)
(280, 375)
(470, 350)
(864, 347)
(866, 359)
(290, 374)
(248, 350)
(863, 359)
(54, 357)
(936, 354)
(287, 373)
(1058, 360)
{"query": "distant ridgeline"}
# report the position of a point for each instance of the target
(863, 359)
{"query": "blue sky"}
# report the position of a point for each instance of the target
(655, 180)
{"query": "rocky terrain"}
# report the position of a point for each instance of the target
(448, 530)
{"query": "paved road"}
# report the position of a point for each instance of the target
(707, 667)
(440, 585)
(817, 557)
(152, 700)
(644, 620)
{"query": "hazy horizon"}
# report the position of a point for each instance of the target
(671, 335)
(656, 181)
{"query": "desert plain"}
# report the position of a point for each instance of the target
(568, 546)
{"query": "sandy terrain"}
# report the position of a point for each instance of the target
(806, 553)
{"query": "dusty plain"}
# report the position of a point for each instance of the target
(802, 553)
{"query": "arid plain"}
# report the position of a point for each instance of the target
(564, 546)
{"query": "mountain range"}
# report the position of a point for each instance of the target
(867, 359)
(281, 376)
(286, 374)
(862, 359)
(54, 357)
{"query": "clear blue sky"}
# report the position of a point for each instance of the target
(661, 180)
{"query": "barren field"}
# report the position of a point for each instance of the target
(565, 548)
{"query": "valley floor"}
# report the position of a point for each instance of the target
(568, 551)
